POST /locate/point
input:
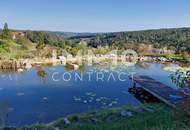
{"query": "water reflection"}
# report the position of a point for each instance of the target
(4, 109)
(35, 97)
(143, 65)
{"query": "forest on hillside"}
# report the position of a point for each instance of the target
(177, 39)
(171, 38)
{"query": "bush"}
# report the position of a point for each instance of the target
(3, 47)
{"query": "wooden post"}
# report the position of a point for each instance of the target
(134, 84)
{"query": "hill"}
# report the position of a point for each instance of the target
(173, 38)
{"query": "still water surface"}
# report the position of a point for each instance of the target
(29, 97)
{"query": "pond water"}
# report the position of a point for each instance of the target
(44, 94)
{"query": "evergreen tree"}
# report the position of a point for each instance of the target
(40, 44)
(6, 33)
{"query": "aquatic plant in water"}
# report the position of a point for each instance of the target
(41, 73)
(181, 78)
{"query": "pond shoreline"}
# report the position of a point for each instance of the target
(125, 117)
(89, 117)
(21, 64)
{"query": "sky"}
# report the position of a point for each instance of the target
(94, 15)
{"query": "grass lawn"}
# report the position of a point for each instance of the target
(146, 117)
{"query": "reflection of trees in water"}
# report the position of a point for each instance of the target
(184, 64)
(8, 74)
(143, 65)
(8, 71)
(68, 67)
(4, 109)
(82, 68)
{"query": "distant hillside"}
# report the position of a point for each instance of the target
(176, 37)
(173, 38)
(73, 34)
(61, 34)
(25, 41)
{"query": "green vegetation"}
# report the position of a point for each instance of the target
(6, 33)
(11, 50)
(146, 117)
(172, 38)
(41, 73)
(3, 46)
(183, 57)
(169, 43)
(161, 41)
(4, 40)
(181, 78)
(28, 44)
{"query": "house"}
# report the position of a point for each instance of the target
(15, 35)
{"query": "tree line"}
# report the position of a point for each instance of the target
(178, 39)
(175, 39)
(41, 38)
(5, 33)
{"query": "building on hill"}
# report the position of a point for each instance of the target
(14, 35)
